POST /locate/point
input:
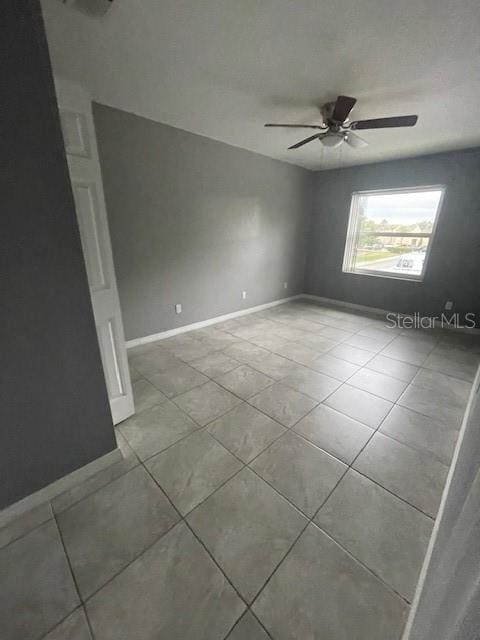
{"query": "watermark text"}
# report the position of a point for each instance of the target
(416, 321)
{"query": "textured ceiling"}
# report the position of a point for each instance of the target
(221, 68)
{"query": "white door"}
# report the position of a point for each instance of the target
(81, 147)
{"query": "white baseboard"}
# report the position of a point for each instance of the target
(346, 305)
(45, 495)
(382, 312)
(341, 304)
(205, 323)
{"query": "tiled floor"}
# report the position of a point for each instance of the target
(280, 480)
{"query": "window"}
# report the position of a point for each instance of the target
(390, 232)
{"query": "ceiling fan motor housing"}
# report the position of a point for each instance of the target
(327, 111)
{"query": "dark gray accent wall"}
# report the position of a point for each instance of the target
(453, 271)
(54, 410)
(195, 221)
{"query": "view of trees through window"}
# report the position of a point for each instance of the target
(389, 232)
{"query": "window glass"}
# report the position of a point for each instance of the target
(390, 232)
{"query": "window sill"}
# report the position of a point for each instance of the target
(384, 274)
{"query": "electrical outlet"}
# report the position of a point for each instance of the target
(285, 285)
(244, 295)
(178, 308)
(449, 305)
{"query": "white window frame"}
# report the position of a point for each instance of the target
(353, 232)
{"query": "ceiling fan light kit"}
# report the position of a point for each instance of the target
(333, 140)
(355, 141)
(337, 128)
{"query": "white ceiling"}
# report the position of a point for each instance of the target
(222, 68)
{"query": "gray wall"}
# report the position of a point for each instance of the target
(453, 270)
(196, 221)
(54, 410)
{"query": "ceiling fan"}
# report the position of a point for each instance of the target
(337, 128)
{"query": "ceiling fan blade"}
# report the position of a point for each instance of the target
(355, 141)
(384, 123)
(302, 142)
(298, 126)
(343, 106)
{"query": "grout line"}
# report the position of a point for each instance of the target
(199, 504)
(218, 566)
(230, 631)
(425, 415)
(28, 530)
(267, 632)
(247, 465)
(284, 557)
(183, 518)
(126, 470)
(91, 595)
(292, 428)
(318, 403)
(311, 520)
(422, 452)
(217, 381)
(134, 559)
(346, 380)
(372, 393)
(257, 620)
(251, 364)
(89, 623)
(74, 579)
(360, 562)
(427, 515)
(350, 466)
(172, 444)
(80, 607)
